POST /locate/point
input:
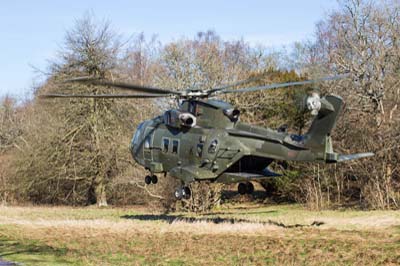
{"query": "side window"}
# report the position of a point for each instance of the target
(200, 149)
(175, 146)
(213, 146)
(165, 145)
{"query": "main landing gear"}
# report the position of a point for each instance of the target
(150, 179)
(245, 188)
(183, 193)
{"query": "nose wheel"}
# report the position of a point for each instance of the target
(245, 188)
(182, 193)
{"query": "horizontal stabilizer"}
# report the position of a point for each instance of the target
(356, 156)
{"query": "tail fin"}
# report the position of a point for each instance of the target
(318, 136)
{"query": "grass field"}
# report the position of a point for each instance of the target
(233, 235)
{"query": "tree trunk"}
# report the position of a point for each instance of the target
(100, 192)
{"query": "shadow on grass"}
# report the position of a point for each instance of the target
(234, 211)
(29, 252)
(216, 220)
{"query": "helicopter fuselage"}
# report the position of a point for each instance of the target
(218, 147)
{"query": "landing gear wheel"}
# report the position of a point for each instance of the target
(178, 193)
(154, 179)
(147, 180)
(242, 188)
(249, 188)
(182, 193)
(186, 192)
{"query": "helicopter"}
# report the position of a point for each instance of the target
(204, 140)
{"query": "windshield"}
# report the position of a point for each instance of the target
(135, 139)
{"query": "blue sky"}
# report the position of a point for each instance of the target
(33, 31)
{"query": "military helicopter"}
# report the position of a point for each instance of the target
(203, 139)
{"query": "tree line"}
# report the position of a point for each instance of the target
(76, 151)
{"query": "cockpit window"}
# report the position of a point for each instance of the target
(147, 142)
(167, 118)
(135, 140)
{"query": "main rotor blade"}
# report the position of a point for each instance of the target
(103, 96)
(121, 85)
(234, 84)
(282, 85)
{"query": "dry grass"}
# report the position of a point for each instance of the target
(241, 235)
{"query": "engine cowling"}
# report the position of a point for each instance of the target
(187, 119)
(314, 103)
(177, 119)
(233, 114)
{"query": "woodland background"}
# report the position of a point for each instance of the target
(75, 152)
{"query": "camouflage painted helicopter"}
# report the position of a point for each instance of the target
(204, 139)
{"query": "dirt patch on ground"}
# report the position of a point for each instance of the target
(374, 221)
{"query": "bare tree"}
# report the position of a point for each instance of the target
(73, 147)
(10, 123)
(362, 38)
